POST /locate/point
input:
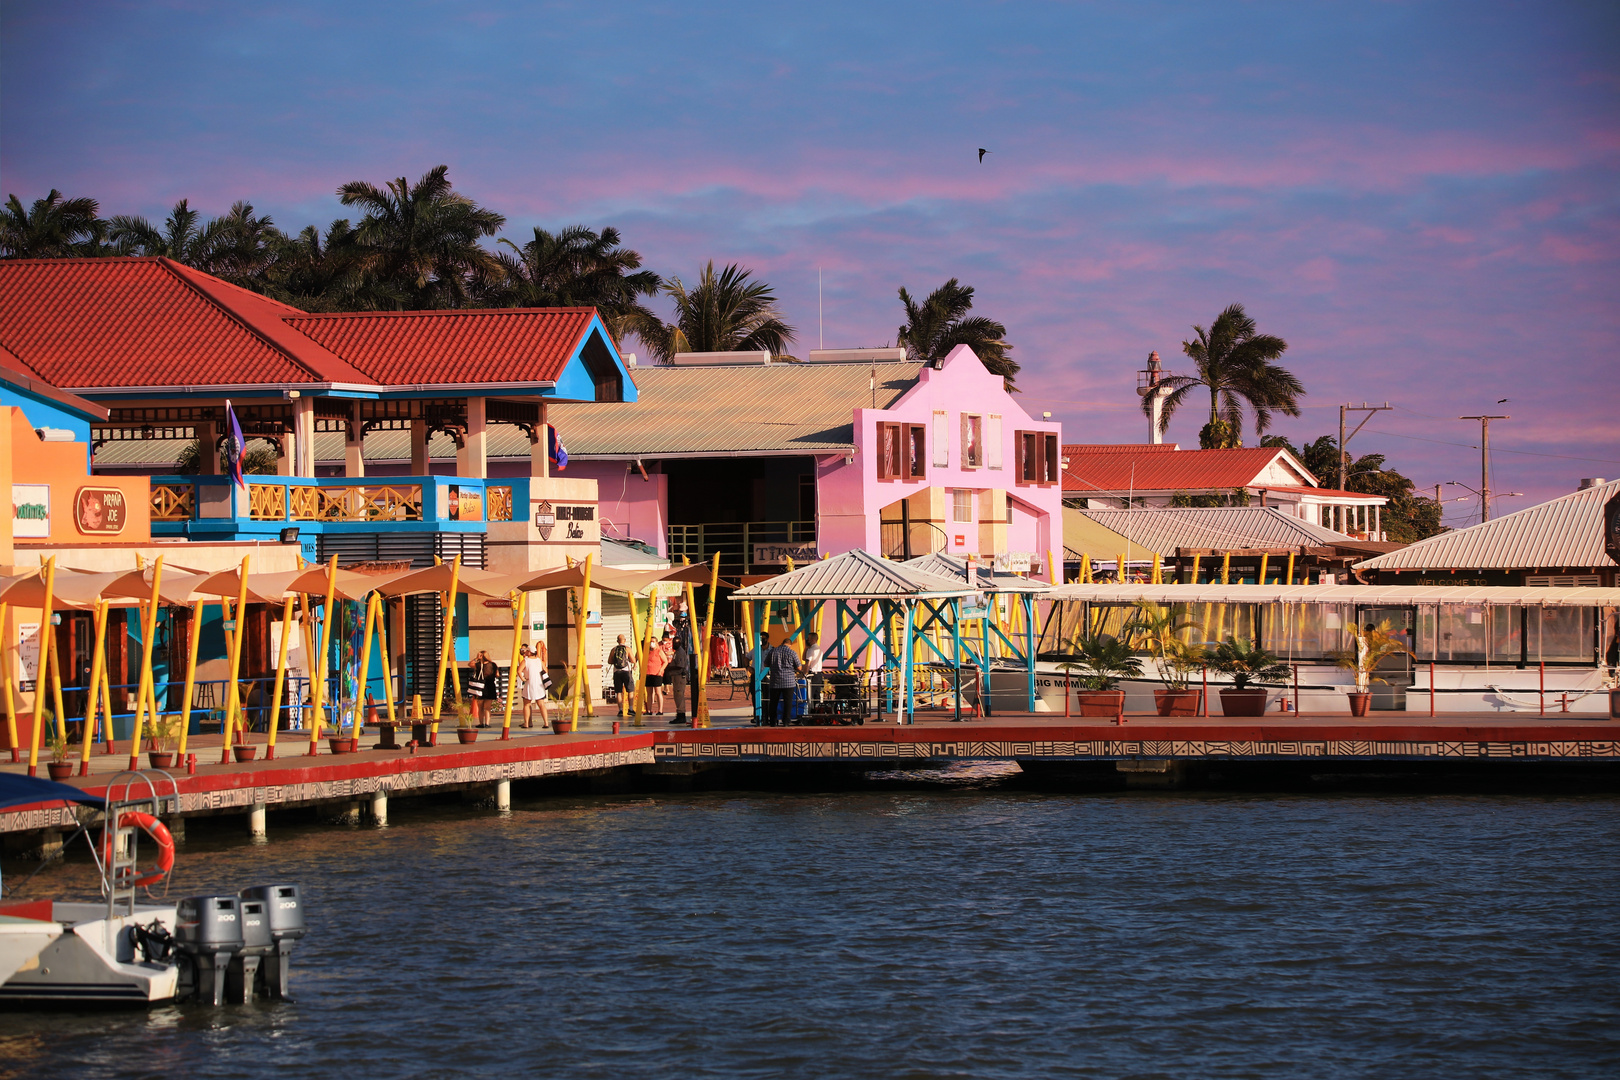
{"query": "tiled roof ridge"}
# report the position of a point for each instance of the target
(332, 316)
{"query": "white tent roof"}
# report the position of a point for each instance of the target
(854, 575)
(1387, 595)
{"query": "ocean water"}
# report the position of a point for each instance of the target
(921, 932)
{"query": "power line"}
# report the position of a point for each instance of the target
(1494, 449)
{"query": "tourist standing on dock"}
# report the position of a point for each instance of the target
(720, 654)
(536, 683)
(481, 679)
(657, 661)
(781, 680)
(813, 660)
(624, 680)
(678, 672)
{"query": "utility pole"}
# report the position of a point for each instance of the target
(1484, 463)
(1371, 411)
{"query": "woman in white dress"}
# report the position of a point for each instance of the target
(536, 683)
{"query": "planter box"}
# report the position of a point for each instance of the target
(59, 770)
(1244, 702)
(1101, 702)
(1176, 702)
(562, 727)
(245, 753)
(344, 746)
(160, 759)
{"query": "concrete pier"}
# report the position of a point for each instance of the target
(256, 822)
(379, 807)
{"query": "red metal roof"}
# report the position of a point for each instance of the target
(90, 323)
(1116, 470)
(512, 345)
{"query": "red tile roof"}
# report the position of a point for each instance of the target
(408, 347)
(89, 323)
(1116, 470)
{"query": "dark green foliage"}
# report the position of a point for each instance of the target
(1105, 661)
(941, 323)
(1407, 518)
(1245, 661)
(1234, 363)
(724, 312)
(53, 227)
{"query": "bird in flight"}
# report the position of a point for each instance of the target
(982, 152)
(1501, 401)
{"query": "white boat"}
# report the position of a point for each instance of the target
(21, 940)
(96, 959)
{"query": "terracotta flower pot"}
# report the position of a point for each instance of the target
(561, 726)
(1360, 703)
(343, 745)
(1100, 702)
(245, 753)
(1176, 702)
(160, 759)
(59, 770)
(467, 735)
(1244, 702)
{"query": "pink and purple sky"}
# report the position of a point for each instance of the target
(1422, 198)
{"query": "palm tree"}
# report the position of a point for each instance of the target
(1234, 363)
(423, 237)
(53, 227)
(941, 323)
(329, 274)
(580, 268)
(725, 312)
(237, 247)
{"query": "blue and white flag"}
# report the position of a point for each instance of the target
(235, 445)
(558, 452)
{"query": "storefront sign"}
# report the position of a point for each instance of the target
(779, 554)
(548, 517)
(27, 655)
(31, 510)
(464, 504)
(1016, 562)
(100, 511)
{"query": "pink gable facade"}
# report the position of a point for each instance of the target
(954, 465)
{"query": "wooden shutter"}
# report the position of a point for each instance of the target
(1050, 474)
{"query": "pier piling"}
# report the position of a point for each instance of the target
(379, 808)
(503, 795)
(256, 822)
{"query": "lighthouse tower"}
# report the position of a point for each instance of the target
(1150, 385)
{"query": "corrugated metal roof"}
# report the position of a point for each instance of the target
(405, 347)
(985, 578)
(853, 575)
(755, 408)
(1383, 595)
(1115, 470)
(1566, 532)
(1217, 528)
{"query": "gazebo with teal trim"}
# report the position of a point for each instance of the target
(868, 594)
(989, 581)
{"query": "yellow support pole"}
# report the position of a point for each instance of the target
(1158, 569)
(275, 690)
(1051, 568)
(1119, 575)
(364, 674)
(697, 630)
(41, 682)
(518, 600)
(5, 673)
(700, 709)
(233, 700)
(579, 646)
(143, 689)
(643, 639)
(1085, 568)
(107, 698)
(1196, 560)
(1261, 580)
(446, 643)
(306, 627)
(56, 692)
(1290, 580)
(1226, 568)
(195, 628)
(387, 658)
(317, 665)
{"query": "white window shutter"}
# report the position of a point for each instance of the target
(992, 440)
(942, 439)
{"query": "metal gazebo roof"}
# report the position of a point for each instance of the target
(1394, 595)
(985, 578)
(855, 575)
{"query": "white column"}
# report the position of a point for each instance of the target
(472, 459)
(256, 822)
(304, 436)
(379, 807)
(354, 460)
(284, 459)
(503, 794)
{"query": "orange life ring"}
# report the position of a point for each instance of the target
(159, 833)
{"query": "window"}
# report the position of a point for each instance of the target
(1037, 457)
(972, 441)
(903, 451)
(992, 441)
(942, 439)
(962, 505)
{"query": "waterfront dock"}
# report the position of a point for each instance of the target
(1142, 750)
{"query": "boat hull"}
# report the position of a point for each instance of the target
(94, 962)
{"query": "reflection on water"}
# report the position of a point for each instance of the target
(912, 933)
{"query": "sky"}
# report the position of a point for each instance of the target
(1423, 199)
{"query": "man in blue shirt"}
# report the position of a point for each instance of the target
(781, 679)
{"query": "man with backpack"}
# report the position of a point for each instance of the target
(781, 680)
(624, 682)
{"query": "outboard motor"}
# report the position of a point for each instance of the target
(284, 913)
(242, 977)
(208, 935)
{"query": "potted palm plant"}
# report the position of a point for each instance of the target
(466, 726)
(1175, 659)
(1103, 661)
(59, 766)
(1373, 645)
(1246, 662)
(165, 730)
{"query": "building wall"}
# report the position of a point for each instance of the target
(851, 497)
(48, 480)
(632, 507)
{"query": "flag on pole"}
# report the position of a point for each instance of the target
(235, 444)
(558, 452)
